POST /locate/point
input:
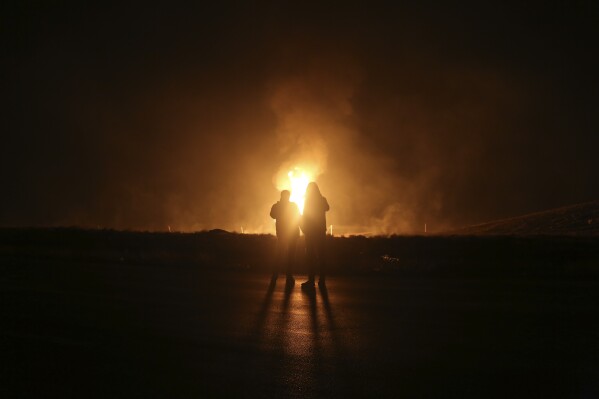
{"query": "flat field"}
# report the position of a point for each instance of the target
(125, 314)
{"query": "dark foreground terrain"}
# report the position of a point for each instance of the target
(109, 314)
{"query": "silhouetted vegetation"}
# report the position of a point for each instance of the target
(410, 255)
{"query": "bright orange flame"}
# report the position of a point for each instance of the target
(298, 180)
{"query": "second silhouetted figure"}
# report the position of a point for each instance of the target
(314, 226)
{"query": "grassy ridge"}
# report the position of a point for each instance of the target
(574, 220)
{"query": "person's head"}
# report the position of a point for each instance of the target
(312, 190)
(285, 194)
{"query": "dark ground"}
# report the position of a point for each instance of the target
(109, 314)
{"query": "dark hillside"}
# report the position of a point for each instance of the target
(574, 220)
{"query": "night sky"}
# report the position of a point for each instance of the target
(148, 116)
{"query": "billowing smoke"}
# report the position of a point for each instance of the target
(317, 131)
(310, 110)
(142, 119)
(389, 162)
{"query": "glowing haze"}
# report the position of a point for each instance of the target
(405, 115)
(296, 182)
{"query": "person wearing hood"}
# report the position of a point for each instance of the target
(314, 226)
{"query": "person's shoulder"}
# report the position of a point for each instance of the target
(274, 208)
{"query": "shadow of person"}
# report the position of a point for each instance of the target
(324, 293)
(288, 288)
(286, 297)
(317, 357)
(311, 295)
(341, 356)
(263, 313)
(266, 340)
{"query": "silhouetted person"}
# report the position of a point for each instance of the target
(314, 226)
(287, 216)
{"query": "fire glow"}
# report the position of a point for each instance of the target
(298, 182)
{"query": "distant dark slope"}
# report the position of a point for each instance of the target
(581, 219)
